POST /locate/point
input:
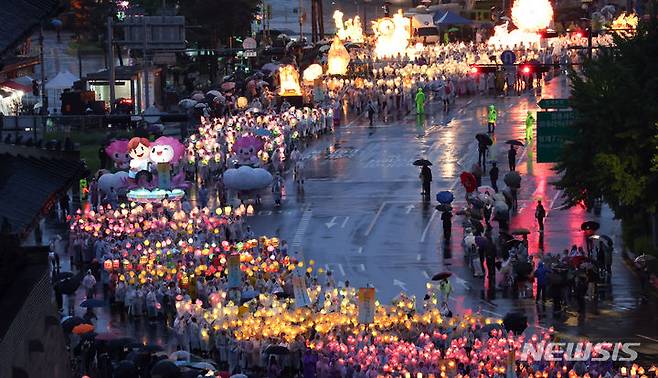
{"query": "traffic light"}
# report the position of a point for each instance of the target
(549, 33)
(526, 69)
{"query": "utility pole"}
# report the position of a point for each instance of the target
(301, 19)
(110, 58)
(44, 98)
(146, 70)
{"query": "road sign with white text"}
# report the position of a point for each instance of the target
(553, 131)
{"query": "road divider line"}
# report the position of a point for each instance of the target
(360, 250)
(363, 267)
(647, 337)
(557, 194)
(374, 220)
(427, 276)
(418, 257)
(492, 313)
(344, 222)
(429, 223)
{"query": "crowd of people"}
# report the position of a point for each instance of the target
(249, 305)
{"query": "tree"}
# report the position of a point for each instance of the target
(215, 21)
(615, 146)
(90, 18)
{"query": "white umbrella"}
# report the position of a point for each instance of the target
(198, 97)
(152, 118)
(214, 93)
(219, 99)
(200, 105)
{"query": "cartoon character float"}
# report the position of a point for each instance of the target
(248, 175)
(143, 158)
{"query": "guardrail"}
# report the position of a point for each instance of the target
(36, 126)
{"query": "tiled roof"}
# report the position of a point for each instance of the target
(28, 183)
(18, 18)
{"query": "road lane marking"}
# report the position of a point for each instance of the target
(647, 337)
(427, 276)
(409, 208)
(492, 313)
(374, 220)
(360, 250)
(331, 223)
(557, 194)
(429, 223)
(363, 267)
(301, 228)
(400, 284)
(418, 257)
(345, 222)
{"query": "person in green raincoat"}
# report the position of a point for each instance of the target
(420, 101)
(529, 123)
(492, 117)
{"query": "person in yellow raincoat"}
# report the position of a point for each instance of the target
(529, 123)
(492, 117)
(420, 101)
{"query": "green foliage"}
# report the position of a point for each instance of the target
(214, 21)
(614, 154)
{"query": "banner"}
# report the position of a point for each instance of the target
(366, 305)
(299, 289)
(234, 273)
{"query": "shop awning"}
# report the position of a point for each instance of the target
(30, 184)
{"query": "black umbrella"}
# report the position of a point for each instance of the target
(91, 303)
(282, 295)
(120, 343)
(125, 369)
(151, 348)
(62, 276)
(70, 322)
(590, 226)
(515, 142)
(512, 179)
(276, 349)
(67, 286)
(165, 369)
(422, 162)
(484, 139)
(521, 231)
(441, 276)
(515, 322)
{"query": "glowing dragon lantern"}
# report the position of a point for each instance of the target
(289, 81)
(349, 30)
(392, 35)
(312, 72)
(529, 16)
(625, 24)
(338, 58)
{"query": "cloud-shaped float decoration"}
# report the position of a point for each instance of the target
(118, 181)
(247, 178)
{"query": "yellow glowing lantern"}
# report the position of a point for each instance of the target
(289, 81)
(312, 72)
(227, 210)
(338, 58)
(242, 102)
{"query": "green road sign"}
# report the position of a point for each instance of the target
(554, 103)
(553, 130)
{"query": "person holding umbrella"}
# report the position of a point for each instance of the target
(511, 157)
(493, 176)
(446, 218)
(540, 214)
(492, 118)
(425, 176)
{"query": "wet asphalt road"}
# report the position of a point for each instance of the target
(361, 216)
